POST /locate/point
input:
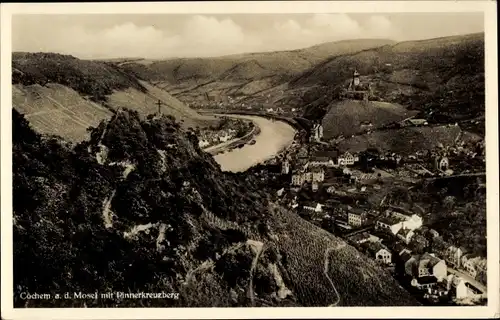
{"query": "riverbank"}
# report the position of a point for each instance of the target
(270, 140)
(234, 143)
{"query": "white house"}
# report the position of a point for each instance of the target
(356, 218)
(317, 208)
(454, 255)
(412, 222)
(314, 186)
(441, 163)
(318, 175)
(347, 159)
(379, 252)
(457, 283)
(314, 176)
(390, 224)
(426, 265)
(298, 179)
(224, 138)
(285, 167)
(280, 192)
(473, 264)
(203, 143)
(317, 132)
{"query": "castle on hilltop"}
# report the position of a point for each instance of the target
(357, 90)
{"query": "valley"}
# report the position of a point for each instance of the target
(259, 179)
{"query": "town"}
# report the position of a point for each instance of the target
(362, 197)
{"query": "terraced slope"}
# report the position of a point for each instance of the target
(63, 95)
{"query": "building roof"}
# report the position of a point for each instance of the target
(374, 247)
(455, 249)
(410, 263)
(400, 210)
(427, 280)
(389, 220)
(319, 158)
(357, 211)
(360, 236)
(420, 261)
(404, 232)
(419, 238)
(397, 247)
(432, 260)
(470, 256)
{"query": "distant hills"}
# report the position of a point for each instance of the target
(442, 78)
(242, 74)
(63, 95)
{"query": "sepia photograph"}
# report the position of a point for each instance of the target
(294, 156)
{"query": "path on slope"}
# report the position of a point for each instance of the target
(259, 248)
(325, 271)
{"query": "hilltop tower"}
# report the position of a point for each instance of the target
(355, 78)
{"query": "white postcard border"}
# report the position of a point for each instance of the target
(489, 9)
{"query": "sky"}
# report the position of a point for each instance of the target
(162, 36)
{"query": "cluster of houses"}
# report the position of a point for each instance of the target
(312, 170)
(210, 138)
(424, 271)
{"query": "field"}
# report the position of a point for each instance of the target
(345, 117)
(58, 110)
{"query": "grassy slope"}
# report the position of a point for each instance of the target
(345, 117)
(81, 93)
(445, 74)
(406, 140)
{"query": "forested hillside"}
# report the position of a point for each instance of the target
(140, 208)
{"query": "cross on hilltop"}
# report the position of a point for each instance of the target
(159, 103)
